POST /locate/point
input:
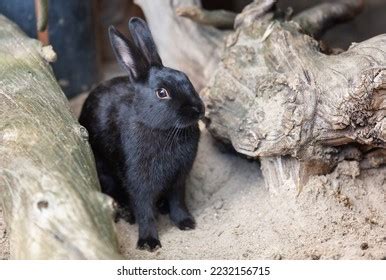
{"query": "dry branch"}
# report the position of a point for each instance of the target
(48, 184)
(41, 14)
(218, 18)
(317, 20)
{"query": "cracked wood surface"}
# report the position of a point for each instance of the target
(275, 93)
(48, 185)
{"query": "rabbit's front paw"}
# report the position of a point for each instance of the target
(150, 244)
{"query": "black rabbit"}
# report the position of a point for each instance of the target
(144, 133)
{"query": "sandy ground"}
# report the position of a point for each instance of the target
(337, 216)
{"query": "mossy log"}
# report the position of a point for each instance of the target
(48, 185)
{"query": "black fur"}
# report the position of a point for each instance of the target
(144, 146)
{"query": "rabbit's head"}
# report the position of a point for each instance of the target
(164, 97)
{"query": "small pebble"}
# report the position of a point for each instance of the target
(315, 257)
(277, 257)
(364, 246)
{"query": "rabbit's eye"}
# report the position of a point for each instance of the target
(162, 93)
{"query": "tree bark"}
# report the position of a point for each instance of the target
(48, 185)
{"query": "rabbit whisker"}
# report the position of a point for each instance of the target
(169, 136)
(176, 133)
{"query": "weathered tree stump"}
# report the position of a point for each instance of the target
(48, 184)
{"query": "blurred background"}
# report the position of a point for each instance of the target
(77, 30)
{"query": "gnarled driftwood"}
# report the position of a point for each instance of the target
(275, 93)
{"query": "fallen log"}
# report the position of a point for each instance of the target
(48, 185)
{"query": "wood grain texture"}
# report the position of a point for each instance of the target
(276, 93)
(48, 185)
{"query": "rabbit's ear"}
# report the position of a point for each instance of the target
(144, 40)
(128, 55)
